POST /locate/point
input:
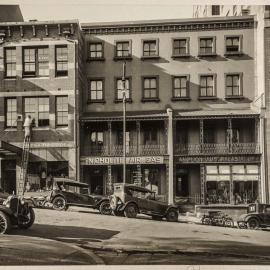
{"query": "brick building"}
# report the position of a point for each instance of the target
(39, 76)
(193, 129)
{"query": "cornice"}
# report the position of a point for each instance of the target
(174, 26)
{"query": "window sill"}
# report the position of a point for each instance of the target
(234, 97)
(128, 100)
(180, 99)
(61, 127)
(10, 78)
(201, 55)
(41, 128)
(35, 77)
(96, 101)
(150, 100)
(119, 58)
(61, 76)
(95, 59)
(10, 129)
(207, 98)
(228, 54)
(150, 57)
(180, 56)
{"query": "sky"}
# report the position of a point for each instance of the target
(111, 10)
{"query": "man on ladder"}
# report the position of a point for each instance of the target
(27, 127)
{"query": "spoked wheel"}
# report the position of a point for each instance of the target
(131, 211)
(5, 224)
(59, 203)
(228, 222)
(27, 219)
(172, 215)
(253, 224)
(105, 208)
(206, 221)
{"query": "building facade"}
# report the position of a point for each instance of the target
(193, 129)
(39, 76)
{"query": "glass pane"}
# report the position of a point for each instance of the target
(229, 80)
(146, 83)
(252, 169)
(211, 169)
(153, 83)
(93, 85)
(99, 85)
(238, 169)
(176, 83)
(224, 169)
(235, 80)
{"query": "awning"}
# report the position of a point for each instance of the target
(7, 149)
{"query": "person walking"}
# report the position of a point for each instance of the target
(27, 127)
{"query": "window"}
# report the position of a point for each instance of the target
(150, 48)
(120, 88)
(233, 85)
(235, 135)
(11, 112)
(38, 109)
(10, 62)
(96, 90)
(208, 136)
(62, 111)
(150, 88)
(150, 137)
(180, 87)
(207, 46)
(36, 62)
(61, 61)
(96, 50)
(207, 86)
(233, 45)
(215, 10)
(96, 142)
(123, 49)
(180, 47)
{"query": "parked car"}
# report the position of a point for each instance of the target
(3, 196)
(257, 216)
(129, 200)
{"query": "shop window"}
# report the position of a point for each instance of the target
(245, 191)
(120, 88)
(61, 60)
(36, 62)
(150, 179)
(215, 10)
(38, 109)
(62, 111)
(218, 192)
(11, 112)
(233, 45)
(180, 87)
(207, 46)
(97, 137)
(10, 62)
(150, 48)
(123, 49)
(180, 47)
(207, 86)
(233, 85)
(96, 51)
(150, 89)
(96, 90)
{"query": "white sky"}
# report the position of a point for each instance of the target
(112, 10)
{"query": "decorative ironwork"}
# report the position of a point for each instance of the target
(117, 150)
(153, 149)
(245, 148)
(202, 175)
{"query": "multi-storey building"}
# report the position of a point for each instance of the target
(192, 127)
(39, 76)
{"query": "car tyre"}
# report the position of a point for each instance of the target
(253, 224)
(229, 223)
(105, 208)
(131, 211)
(241, 225)
(118, 213)
(31, 219)
(5, 225)
(172, 215)
(206, 221)
(59, 203)
(158, 218)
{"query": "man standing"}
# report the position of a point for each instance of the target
(27, 126)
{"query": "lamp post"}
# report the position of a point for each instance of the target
(124, 120)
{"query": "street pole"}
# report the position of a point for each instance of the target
(124, 121)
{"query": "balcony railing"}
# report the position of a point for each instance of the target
(216, 149)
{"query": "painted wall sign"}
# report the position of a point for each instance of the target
(245, 177)
(119, 160)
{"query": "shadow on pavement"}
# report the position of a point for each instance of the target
(70, 234)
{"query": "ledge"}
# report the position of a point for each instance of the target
(228, 54)
(180, 56)
(207, 98)
(118, 58)
(180, 99)
(95, 59)
(96, 101)
(234, 97)
(150, 100)
(128, 100)
(207, 55)
(153, 57)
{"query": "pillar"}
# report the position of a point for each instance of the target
(201, 135)
(109, 183)
(263, 187)
(170, 154)
(138, 131)
(229, 134)
(110, 137)
(202, 176)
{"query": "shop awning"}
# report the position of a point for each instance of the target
(7, 149)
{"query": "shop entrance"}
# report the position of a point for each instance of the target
(96, 184)
(182, 186)
(9, 176)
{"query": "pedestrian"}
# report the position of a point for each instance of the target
(27, 127)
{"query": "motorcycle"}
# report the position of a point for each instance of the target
(217, 218)
(16, 211)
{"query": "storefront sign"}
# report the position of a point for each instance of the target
(119, 160)
(217, 178)
(48, 144)
(246, 177)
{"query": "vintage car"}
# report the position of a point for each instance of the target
(3, 196)
(257, 216)
(129, 200)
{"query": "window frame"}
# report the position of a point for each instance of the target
(156, 55)
(6, 63)
(240, 75)
(187, 54)
(89, 100)
(15, 112)
(35, 74)
(117, 100)
(90, 58)
(214, 86)
(202, 54)
(57, 72)
(56, 112)
(214, 8)
(240, 52)
(125, 57)
(187, 97)
(152, 99)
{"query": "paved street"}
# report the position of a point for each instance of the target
(118, 240)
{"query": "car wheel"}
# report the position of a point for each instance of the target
(118, 213)
(156, 218)
(131, 211)
(241, 225)
(105, 208)
(253, 224)
(59, 203)
(206, 221)
(228, 222)
(5, 224)
(172, 215)
(27, 220)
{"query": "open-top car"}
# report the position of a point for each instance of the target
(129, 200)
(3, 196)
(258, 215)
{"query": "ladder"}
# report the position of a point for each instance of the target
(24, 166)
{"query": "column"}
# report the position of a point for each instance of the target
(170, 153)
(263, 188)
(202, 177)
(109, 183)
(201, 136)
(138, 131)
(229, 135)
(110, 137)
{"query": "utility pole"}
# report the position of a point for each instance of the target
(124, 121)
